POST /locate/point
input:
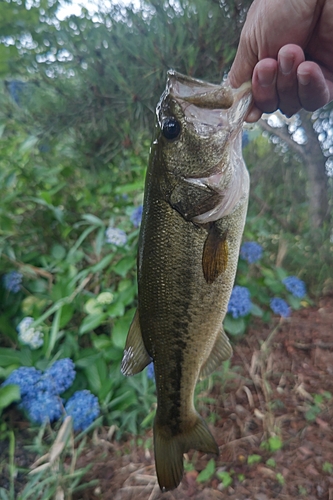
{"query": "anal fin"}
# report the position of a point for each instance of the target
(135, 357)
(221, 351)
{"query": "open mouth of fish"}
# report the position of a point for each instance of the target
(209, 107)
(214, 111)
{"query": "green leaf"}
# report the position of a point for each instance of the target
(254, 459)
(58, 252)
(124, 265)
(53, 333)
(256, 311)
(234, 326)
(8, 395)
(9, 357)
(120, 329)
(93, 219)
(294, 302)
(102, 342)
(87, 357)
(91, 322)
(281, 273)
(225, 477)
(208, 472)
(116, 309)
(28, 144)
(275, 443)
(102, 264)
(97, 375)
(275, 286)
(67, 312)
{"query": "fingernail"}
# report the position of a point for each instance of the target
(286, 64)
(303, 78)
(266, 78)
(253, 116)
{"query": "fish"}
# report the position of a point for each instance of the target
(194, 210)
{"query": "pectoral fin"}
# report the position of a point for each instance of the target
(221, 351)
(215, 254)
(135, 357)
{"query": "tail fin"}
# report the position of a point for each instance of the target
(169, 451)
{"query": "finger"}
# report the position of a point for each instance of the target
(264, 85)
(242, 67)
(313, 89)
(253, 115)
(247, 53)
(289, 58)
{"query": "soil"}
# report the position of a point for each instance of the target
(273, 423)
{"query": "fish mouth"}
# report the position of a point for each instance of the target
(208, 107)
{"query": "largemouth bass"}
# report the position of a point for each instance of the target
(195, 204)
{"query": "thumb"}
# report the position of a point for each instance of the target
(242, 68)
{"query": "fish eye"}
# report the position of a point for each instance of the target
(171, 128)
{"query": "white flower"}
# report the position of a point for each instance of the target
(116, 236)
(28, 335)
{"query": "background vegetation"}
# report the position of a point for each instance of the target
(76, 114)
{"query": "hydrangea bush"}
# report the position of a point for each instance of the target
(68, 286)
(68, 282)
(40, 394)
(261, 290)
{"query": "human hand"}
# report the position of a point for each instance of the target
(286, 48)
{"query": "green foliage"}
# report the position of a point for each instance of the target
(207, 473)
(79, 289)
(317, 406)
(264, 280)
(225, 477)
(273, 444)
(54, 473)
(94, 80)
(253, 459)
(280, 478)
(278, 216)
(327, 467)
(8, 395)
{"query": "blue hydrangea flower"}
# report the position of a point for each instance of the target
(43, 406)
(83, 407)
(26, 378)
(29, 335)
(280, 306)
(295, 286)
(12, 281)
(62, 373)
(137, 216)
(116, 236)
(251, 251)
(240, 303)
(45, 384)
(151, 371)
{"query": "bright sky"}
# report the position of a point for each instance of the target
(91, 5)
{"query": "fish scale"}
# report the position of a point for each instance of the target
(195, 204)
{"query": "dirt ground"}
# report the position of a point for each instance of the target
(273, 424)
